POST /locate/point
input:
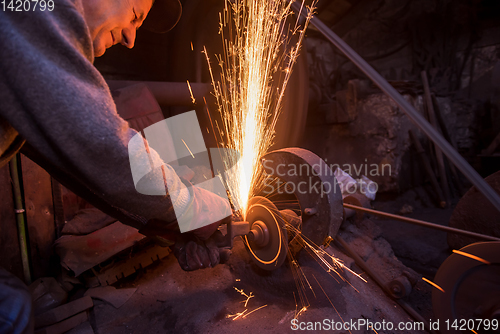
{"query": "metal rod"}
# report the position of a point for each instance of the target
(410, 111)
(422, 223)
(57, 197)
(428, 168)
(446, 134)
(443, 178)
(21, 222)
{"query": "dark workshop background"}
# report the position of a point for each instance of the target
(331, 107)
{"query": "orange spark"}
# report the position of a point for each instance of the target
(433, 284)
(237, 315)
(302, 310)
(251, 295)
(246, 315)
(187, 148)
(474, 257)
(191, 92)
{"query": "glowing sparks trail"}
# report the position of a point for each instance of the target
(243, 314)
(433, 284)
(191, 92)
(187, 148)
(325, 259)
(253, 66)
(474, 257)
(329, 262)
(258, 308)
(244, 294)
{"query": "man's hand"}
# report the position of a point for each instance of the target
(193, 253)
(198, 248)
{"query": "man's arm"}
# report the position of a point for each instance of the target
(55, 98)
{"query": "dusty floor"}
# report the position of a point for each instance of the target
(169, 300)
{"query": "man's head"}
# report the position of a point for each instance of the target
(116, 21)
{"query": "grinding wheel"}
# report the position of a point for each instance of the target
(267, 242)
(471, 287)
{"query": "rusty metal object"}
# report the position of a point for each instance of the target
(471, 286)
(388, 288)
(422, 223)
(267, 241)
(315, 187)
(293, 221)
(126, 266)
(474, 213)
(405, 106)
(399, 287)
(362, 264)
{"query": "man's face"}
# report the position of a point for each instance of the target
(114, 21)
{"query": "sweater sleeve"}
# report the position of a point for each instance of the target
(54, 97)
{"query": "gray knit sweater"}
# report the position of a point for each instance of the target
(54, 98)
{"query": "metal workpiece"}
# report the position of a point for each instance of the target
(405, 106)
(292, 218)
(235, 229)
(293, 226)
(316, 189)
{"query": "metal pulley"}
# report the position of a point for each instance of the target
(470, 288)
(267, 241)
